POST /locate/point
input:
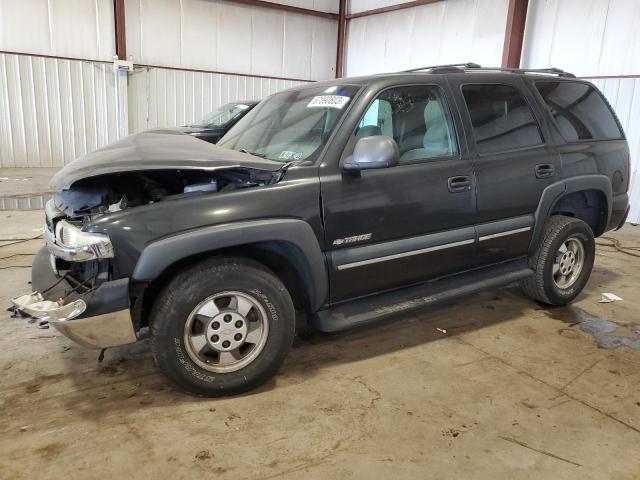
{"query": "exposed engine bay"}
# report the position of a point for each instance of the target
(96, 196)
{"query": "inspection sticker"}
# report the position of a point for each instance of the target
(287, 155)
(330, 101)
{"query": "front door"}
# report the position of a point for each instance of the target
(405, 224)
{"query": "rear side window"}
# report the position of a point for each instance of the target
(580, 111)
(501, 118)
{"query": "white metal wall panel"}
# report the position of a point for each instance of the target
(330, 6)
(593, 38)
(52, 111)
(160, 97)
(222, 36)
(65, 28)
(357, 6)
(585, 37)
(445, 32)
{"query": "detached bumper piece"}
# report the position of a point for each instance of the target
(34, 305)
(97, 319)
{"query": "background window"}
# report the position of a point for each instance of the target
(501, 118)
(416, 118)
(579, 110)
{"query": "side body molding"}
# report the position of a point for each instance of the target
(161, 254)
(556, 191)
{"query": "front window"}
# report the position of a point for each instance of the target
(292, 125)
(223, 116)
(416, 117)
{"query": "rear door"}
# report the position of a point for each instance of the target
(405, 224)
(513, 163)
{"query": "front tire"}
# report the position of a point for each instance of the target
(562, 261)
(222, 327)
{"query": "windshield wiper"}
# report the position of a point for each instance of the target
(261, 155)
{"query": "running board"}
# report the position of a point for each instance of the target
(377, 307)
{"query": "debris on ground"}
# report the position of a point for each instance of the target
(441, 330)
(609, 297)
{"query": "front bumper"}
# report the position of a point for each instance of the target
(105, 321)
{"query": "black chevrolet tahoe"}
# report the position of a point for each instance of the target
(341, 203)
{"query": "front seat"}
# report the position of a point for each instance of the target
(368, 131)
(437, 139)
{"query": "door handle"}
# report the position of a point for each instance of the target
(460, 183)
(544, 170)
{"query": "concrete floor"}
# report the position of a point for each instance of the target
(512, 390)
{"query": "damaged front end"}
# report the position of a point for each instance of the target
(80, 281)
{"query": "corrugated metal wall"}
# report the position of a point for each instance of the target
(159, 97)
(52, 111)
(445, 32)
(594, 38)
(357, 6)
(222, 36)
(64, 28)
(585, 37)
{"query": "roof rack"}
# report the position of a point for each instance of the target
(448, 65)
(463, 67)
(546, 71)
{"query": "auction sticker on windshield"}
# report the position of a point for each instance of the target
(330, 101)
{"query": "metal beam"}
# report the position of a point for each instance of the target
(392, 8)
(514, 34)
(220, 72)
(287, 8)
(121, 39)
(342, 31)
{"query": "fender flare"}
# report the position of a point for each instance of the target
(554, 192)
(161, 254)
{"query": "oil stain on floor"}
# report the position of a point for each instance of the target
(606, 333)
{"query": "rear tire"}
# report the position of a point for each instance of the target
(562, 261)
(222, 327)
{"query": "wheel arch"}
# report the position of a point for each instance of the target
(288, 247)
(577, 197)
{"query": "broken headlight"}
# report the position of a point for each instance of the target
(76, 245)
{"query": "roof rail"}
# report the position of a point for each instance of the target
(451, 67)
(547, 71)
(468, 65)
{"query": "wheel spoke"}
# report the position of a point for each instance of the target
(199, 342)
(242, 305)
(556, 268)
(229, 357)
(254, 332)
(563, 248)
(209, 309)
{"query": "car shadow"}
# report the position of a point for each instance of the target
(127, 380)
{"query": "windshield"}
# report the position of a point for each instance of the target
(223, 116)
(292, 125)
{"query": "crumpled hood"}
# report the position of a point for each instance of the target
(166, 149)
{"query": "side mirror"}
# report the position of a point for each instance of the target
(378, 151)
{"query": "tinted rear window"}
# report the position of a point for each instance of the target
(580, 111)
(501, 118)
